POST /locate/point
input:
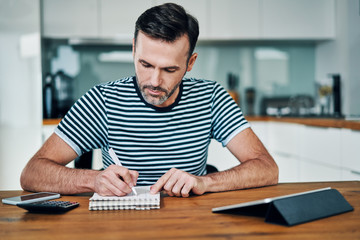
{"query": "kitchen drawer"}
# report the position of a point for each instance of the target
(350, 175)
(284, 138)
(288, 167)
(314, 172)
(261, 131)
(220, 156)
(350, 149)
(321, 145)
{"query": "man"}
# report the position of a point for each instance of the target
(159, 124)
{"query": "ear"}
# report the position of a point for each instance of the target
(133, 47)
(191, 62)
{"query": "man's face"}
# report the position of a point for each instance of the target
(160, 67)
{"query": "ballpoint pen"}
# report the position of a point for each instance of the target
(117, 162)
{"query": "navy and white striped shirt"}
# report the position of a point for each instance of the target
(149, 139)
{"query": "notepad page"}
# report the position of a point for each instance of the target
(144, 200)
(143, 193)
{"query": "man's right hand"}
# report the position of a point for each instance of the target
(115, 181)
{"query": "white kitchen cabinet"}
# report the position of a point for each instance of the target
(220, 156)
(218, 20)
(117, 18)
(305, 153)
(20, 88)
(261, 130)
(294, 19)
(234, 19)
(199, 9)
(70, 18)
(47, 131)
(350, 149)
(288, 167)
(284, 137)
(350, 175)
(310, 171)
(321, 145)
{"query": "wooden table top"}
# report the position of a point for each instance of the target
(181, 218)
(315, 122)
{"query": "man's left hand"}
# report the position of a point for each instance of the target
(179, 183)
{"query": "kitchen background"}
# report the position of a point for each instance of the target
(274, 54)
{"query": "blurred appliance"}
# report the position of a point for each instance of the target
(250, 95)
(63, 94)
(233, 81)
(336, 94)
(294, 106)
(48, 97)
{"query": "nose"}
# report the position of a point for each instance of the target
(156, 78)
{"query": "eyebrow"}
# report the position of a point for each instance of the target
(168, 67)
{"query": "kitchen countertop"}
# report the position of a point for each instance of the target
(316, 122)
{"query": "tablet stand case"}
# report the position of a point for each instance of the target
(298, 209)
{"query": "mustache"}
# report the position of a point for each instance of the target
(155, 88)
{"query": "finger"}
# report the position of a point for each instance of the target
(112, 176)
(114, 191)
(161, 182)
(134, 176)
(176, 183)
(186, 189)
(177, 188)
(124, 173)
(105, 188)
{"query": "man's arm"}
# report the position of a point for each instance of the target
(46, 171)
(257, 169)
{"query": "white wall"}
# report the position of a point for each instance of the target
(343, 54)
(20, 88)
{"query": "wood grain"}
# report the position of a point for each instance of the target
(316, 122)
(181, 218)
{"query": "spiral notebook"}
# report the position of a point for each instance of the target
(144, 200)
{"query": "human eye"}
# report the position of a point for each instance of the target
(145, 64)
(170, 70)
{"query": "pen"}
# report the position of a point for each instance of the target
(117, 162)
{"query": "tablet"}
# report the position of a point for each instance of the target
(262, 201)
(29, 198)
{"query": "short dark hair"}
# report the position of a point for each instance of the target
(168, 22)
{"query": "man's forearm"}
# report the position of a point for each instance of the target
(46, 175)
(252, 173)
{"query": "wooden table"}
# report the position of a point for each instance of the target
(181, 218)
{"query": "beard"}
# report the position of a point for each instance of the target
(155, 99)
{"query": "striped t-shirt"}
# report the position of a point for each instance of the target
(149, 139)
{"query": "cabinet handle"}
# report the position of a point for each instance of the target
(355, 172)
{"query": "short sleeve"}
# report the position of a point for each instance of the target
(84, 127)
(227, 117)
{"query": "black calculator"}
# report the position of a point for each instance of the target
(49, 206)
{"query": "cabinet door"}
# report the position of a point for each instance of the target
(199, 9)
(310, 171)
(321, 145)
(220, 156)
(288, 167)
(70, 18)
(305, 19)
(350, 149)
(117, 18)
(284, 138)
(234, 19)
(261, 130)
